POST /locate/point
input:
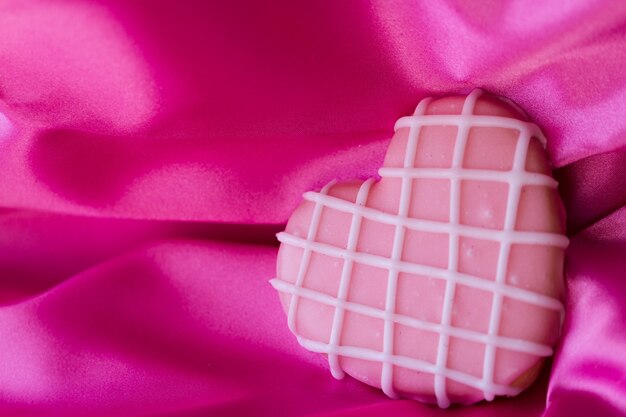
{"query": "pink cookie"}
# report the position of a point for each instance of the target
(442, 281)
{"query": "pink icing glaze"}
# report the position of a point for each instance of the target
(439, 324)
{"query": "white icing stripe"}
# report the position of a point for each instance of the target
(503, 342)
(406, 186)
(405, 362)
(528, 178)
(472, 121)
(431, 226)
(344, 282)
(512, 206)
(306, 257)
(515, 293)
(463, 128)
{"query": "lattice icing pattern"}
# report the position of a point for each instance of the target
(442, 281)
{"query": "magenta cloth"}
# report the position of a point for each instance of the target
(149, 151)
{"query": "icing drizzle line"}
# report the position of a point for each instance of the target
(453, 249)
(516, 178)
(344, 283)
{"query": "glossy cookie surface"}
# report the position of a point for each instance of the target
(441, 281)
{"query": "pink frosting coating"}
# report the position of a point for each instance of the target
(472, 332)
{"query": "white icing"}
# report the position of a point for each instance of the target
(516, 178)
(344, 283)
(406, 362)
(306, 257)
(515, 189)
(462, 135)
(517, 236)
(472, 120)
(510, 343)
(456, 173)
(515, 293)
(406, 188)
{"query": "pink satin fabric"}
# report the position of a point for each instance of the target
(150, 150)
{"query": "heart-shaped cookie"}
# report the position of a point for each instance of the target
(442, 281)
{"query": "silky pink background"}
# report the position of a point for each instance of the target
(149, 150)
